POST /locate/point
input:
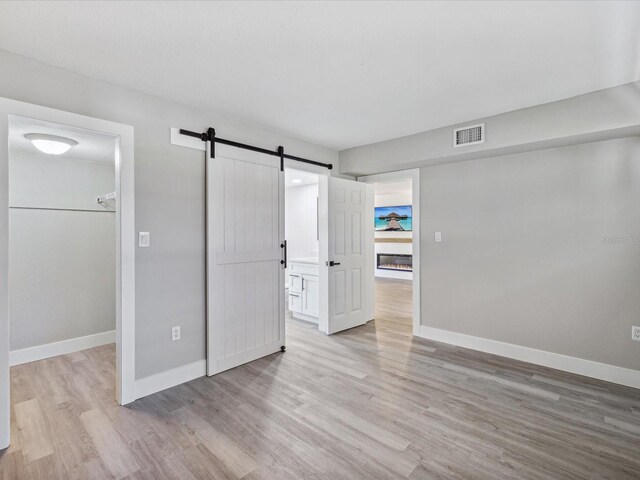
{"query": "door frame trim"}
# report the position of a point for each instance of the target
(414, 176)
(125, 244)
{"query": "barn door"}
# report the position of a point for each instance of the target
(245, 277)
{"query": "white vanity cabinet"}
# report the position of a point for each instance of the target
(304, 292)
(310, 296)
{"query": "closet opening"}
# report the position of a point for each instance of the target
(62, 261)
(67, 240)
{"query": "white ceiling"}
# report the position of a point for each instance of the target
(339, 74)
(92, 146)
(304, 178)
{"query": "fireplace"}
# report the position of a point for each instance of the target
(395, 261)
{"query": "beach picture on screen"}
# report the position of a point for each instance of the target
(393, 219)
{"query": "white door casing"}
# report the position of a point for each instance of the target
(343, 213)
(245, 277)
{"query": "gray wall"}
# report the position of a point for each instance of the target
(169, 197)
(601, 115)
(62, 275)
(540, 249)
(540, 224)
(61, 262)
(39, 180)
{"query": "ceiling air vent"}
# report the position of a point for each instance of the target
(471, 135)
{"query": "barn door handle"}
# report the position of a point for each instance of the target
(284, 245)
(333, 264)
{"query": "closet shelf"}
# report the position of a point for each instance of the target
(104, 198)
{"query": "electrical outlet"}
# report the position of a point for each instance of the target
(175, 333)
(635, 333)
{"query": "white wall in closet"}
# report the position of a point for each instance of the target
(62, 242)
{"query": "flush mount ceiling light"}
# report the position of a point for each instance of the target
(51, 144)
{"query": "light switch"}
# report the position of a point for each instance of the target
(143, 239)
(438, 236)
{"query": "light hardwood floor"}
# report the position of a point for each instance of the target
(369, 403)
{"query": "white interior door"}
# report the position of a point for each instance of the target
(347, 266)
(245, 278)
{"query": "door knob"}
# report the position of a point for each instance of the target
(333, 264)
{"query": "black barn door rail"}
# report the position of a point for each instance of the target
(210, 135)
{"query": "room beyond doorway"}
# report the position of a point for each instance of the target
(393, 304)
(302, 288)
(393, 254)
(396, 256)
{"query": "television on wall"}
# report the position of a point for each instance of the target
(393, 219)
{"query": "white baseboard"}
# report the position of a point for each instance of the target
(579, 366)
(40, 352)
(163, 380)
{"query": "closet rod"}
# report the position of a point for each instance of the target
(210, 135)
(63, 209)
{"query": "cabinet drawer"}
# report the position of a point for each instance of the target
(295, 302)
(295, 283)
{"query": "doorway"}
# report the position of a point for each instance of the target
(49, 232)
(396, 256)
(302, 287)
(329, 281)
